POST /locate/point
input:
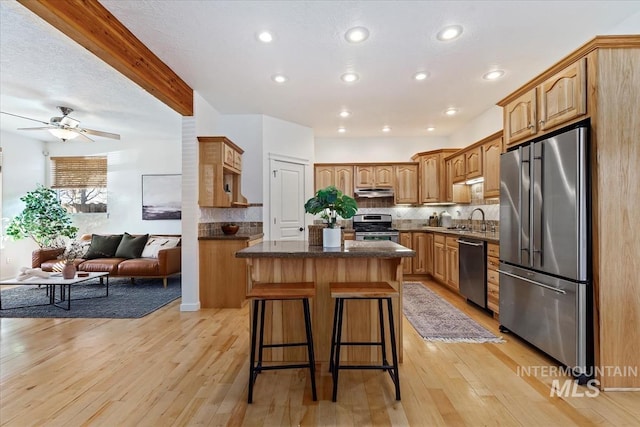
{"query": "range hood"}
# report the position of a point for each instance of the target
(373, 192)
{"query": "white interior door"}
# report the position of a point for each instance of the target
(287, 200)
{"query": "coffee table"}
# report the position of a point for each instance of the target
(64, 285)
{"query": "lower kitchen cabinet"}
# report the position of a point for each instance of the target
(452, 276)
(422, 244)
(439, 258)
(406, 240)
(493, 278)
(223, 277)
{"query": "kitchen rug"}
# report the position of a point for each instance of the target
(437, 320)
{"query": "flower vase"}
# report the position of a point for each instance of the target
(331, 237)
(69, 271)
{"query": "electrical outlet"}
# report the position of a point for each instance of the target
(9, 260)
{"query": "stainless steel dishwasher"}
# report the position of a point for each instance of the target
(473, 270)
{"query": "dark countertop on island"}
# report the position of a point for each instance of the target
(232, 237)
(302, 249)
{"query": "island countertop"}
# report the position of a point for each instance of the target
(302, 249)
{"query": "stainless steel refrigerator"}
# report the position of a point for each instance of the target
(545, 289)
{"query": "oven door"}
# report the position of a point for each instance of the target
(392, 237)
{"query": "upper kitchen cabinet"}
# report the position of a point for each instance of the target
(611, 87)
(491, 165)
(557, 100)
(374, 176)
(432, 175)
(458, 169)
(406, 179)
(473, 162)
(219, 174)
(334, 174)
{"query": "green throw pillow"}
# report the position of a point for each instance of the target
(130, 246)
(103, 246)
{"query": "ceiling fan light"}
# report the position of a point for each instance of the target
(65, 134)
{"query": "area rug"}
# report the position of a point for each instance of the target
(437, 320)
(88, 300)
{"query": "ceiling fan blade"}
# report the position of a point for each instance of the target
(82, 136)
(23, 117)
(100, 133)
(39, 128)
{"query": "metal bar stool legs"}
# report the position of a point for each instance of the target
(279, 292)
(379, 291)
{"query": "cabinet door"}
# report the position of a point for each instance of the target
(563, 96)
(406, 188)
(448, 186)
(491, 170)
(473, 163)
(407, 263)
(520, 118)
(458, 168)
(383, 176)
(452, 263)
(420, 260)
(324, 177)
(430, 179)
(364, 177)
(439, 258)
(428, 252)
(229, 154)
(343, 179)
(237, 160)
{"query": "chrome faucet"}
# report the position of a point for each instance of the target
(484, 224)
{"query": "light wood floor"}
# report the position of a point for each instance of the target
(191, 368)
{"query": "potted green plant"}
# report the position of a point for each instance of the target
(44, 220)
(330, 203)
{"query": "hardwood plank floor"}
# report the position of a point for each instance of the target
(175, 368)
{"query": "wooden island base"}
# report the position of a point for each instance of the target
(295, 262)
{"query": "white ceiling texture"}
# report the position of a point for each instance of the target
(213, 46)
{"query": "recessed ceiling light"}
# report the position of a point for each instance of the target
(451, 111)
(265, 37)
(344, 114)
(449, 33)
(349, 77)
(431, 129)
(493, 75)
(279, 78)
(357, 34)
(421, 75)
(386, 129)
(341, 130)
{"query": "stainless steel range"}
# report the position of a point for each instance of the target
(374, 227)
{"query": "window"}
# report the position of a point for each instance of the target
(81, 183)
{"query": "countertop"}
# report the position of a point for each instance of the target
(491, 237)
(302, 249)
(233, 237)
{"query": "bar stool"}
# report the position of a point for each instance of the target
(379, 291)
(260, 294)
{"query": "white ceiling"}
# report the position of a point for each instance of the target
(212, 45)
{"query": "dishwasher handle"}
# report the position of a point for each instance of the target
(464, 242)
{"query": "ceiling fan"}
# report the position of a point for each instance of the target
(66, 127)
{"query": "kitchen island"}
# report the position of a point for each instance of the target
(297, 261)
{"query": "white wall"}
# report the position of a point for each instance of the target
(387, 149)
(479, 128)
(23, 169)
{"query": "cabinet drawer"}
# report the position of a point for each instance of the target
(493, 277)
(452, 242)
(439, 238)
(493, 250)
(493, 297)
(492, 263)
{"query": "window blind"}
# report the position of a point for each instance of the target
(79, 172)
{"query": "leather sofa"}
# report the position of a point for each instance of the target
(167, 263)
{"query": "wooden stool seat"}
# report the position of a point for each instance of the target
(282, 291)
(380, 291)
(260, 293)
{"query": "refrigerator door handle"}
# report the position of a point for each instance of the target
(537, 201)
(533, 282)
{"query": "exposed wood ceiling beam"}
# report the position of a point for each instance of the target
(95, 28)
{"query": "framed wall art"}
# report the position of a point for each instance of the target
(161, 197)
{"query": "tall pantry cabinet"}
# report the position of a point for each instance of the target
(600, 82)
